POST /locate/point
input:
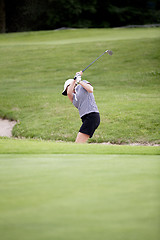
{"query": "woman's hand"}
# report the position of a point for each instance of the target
(79, 73)
(78, 76)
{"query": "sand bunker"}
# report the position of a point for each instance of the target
(6, 127)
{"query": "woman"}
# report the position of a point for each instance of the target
(81, 95)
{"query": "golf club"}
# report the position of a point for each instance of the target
(107, 51)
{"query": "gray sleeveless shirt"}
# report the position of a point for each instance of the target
(84, 101)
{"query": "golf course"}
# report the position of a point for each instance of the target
(54, 189)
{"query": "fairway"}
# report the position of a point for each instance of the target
(74, 197)
(35, 65)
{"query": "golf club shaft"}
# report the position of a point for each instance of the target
(93, 61)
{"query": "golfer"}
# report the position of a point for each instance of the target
(81, 95)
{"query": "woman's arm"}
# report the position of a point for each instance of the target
(86, 86)
(70, 90)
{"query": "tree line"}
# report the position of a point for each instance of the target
(30, 15)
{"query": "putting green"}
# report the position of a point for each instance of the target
(77, 196)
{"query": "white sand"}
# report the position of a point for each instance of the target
(6, 127)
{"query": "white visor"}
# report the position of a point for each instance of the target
(67, 83)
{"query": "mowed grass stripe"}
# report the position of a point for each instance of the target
(10, 146)
(77, 36)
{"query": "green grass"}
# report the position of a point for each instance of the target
(65, 191)
(28, 146)
(34, 66)
(74, 197)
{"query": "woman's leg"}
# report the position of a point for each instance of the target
(81, 138)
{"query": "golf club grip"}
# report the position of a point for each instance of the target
(93, 62)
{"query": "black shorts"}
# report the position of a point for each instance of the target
(91, 122)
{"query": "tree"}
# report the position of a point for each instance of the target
(2, 17)
(32, 15)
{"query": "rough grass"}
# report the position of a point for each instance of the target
(35, 65)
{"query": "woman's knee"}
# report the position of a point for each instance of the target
(82, 138)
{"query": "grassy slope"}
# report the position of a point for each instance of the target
(34, 66)
(74, 197)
